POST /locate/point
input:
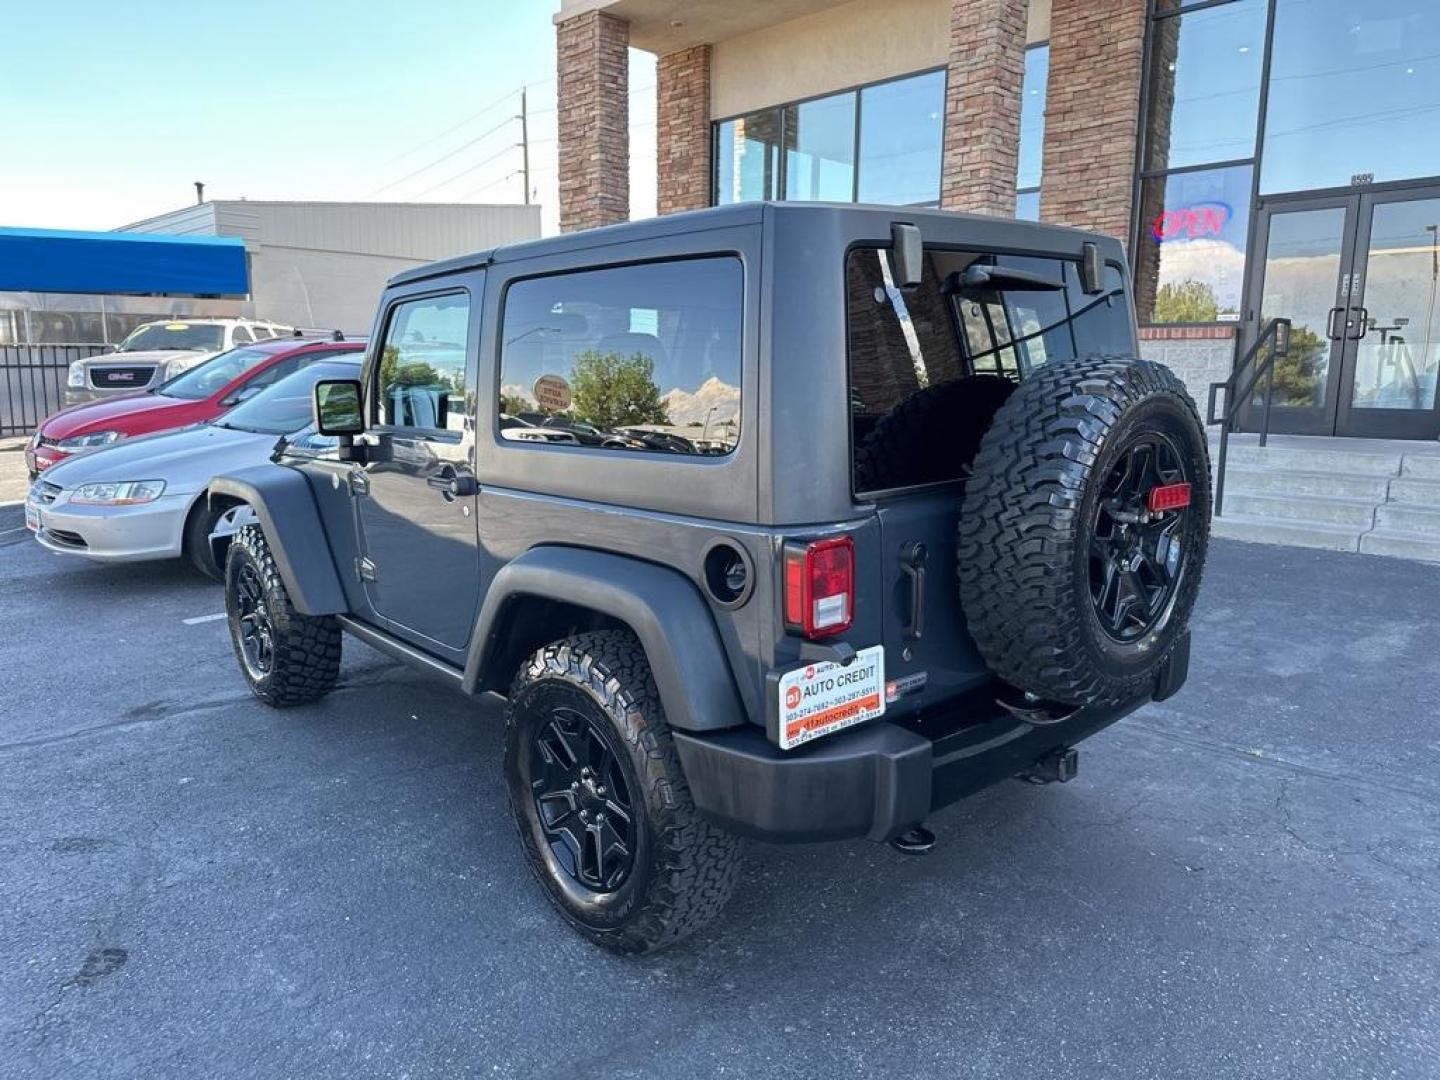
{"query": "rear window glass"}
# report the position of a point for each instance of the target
(920, 360)
(642, 358)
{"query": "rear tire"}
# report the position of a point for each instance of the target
(1071, 588)
(288, 658)
(634, 867)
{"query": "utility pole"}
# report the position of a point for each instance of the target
(525, 143)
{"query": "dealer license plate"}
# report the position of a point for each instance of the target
(32, 517)
(827, 697)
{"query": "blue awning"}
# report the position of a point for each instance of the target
(49, 260)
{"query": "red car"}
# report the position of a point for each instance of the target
(200, 394)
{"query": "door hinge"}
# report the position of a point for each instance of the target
(365, 568)
(358, 482)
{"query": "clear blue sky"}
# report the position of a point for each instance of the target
(113, 109)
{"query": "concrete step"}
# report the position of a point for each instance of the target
(1408, 518)
(1409, 490)
(1311, 534)
(1421, 466)
(1300, 482)
(1356, 514)
(1405, 545)
(1367, 463)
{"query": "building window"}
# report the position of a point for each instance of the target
(880, 143)
(1194, 228)
(1205, 72)
(747, 158)
(1354, 91)
(820, 149)
(1032, 131)
(901, 129)
(633, 358)
(1198, 160)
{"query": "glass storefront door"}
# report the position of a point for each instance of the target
(1393, 356)
(1358, 276)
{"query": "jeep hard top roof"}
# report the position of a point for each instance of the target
(994, 228)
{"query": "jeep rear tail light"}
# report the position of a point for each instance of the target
(820, 587)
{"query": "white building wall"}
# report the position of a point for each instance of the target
(319, 264)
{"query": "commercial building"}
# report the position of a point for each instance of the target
(313, 264)
(1260, 158)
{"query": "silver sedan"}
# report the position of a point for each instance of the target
(146, 498)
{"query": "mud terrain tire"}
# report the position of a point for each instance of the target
(1063, 599)
(287, 658)
(584, 716)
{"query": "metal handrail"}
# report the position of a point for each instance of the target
(1272, 344)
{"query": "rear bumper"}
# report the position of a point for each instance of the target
(879, 780)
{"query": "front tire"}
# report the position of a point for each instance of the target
(288, 658)
(204, 517)
(605, 816)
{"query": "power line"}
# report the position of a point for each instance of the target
(486, 187)
(453, 128)
(445, 157)
(467, 172)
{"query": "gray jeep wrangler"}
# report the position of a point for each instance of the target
(795, 522)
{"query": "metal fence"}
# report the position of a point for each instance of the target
(32, 382)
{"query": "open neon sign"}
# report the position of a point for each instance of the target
(1193, 222)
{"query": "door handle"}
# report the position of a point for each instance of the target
(452, 484)
(1362, 323)
(912, 562)
(1331, 329)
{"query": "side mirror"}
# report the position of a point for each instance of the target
(109, 349)
(907, 255)
(338, 409)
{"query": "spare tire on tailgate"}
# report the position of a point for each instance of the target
(1084, 527)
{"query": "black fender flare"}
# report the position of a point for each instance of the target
(661, 606)
(283, 501)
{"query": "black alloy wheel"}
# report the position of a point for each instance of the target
(257, 634)
(582, 800)
(1136, 554)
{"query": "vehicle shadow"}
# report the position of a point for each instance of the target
(1004, 859)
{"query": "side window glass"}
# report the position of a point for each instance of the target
(641, 358)
(420, 381)
(243, 336)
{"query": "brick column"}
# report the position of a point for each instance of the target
(1092, 111)
(682, 138)
(593, 75)
(982, 105)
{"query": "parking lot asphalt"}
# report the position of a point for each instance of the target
(1242, 881)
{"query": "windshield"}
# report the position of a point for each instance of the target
(195, 337)
(285, 407)
(213, 375)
